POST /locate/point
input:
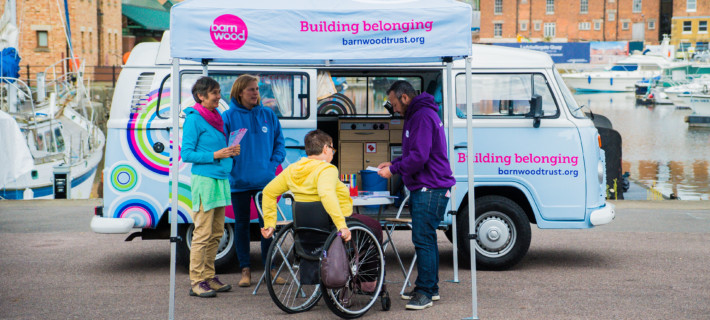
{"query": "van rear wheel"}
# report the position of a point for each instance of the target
(503, 233)
(226, 254)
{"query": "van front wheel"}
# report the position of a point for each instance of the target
(226, 255)
(503, 233)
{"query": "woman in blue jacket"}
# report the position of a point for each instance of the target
(264, 146)
(204, 145)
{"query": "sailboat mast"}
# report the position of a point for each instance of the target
(68, 23)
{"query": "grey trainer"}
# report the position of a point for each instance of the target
(419, 302)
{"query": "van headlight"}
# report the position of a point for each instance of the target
(600, 172)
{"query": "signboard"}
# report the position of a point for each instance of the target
(573, 52)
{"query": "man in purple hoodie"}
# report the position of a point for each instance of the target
(425, 170)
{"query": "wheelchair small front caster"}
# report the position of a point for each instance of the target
(386, 301)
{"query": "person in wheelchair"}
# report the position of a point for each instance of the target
(313, 179)
(320, 196)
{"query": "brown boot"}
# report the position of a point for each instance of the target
(246, 278)
(277, 280)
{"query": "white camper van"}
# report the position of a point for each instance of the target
(537, 156)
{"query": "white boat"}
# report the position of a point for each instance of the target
(622, 76)
(53, 132)
(700, 103)
(700, 85)
(58, 134)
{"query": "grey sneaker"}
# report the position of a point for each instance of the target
(408, 295)
(419, 302)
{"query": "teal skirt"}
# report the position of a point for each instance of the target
(211, 192)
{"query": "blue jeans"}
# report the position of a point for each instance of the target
(428, 208)
(241, 204)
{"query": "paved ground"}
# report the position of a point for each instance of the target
(650, 263)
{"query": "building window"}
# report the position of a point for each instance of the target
(691, 5)
(523, 26)
(652, 24)
(597, 25)
(687, 26)
(702, 27)
(625, 25)
(498, 7)
(550, 8)
(583, 6)
(538, 25)
(611, 15)
(91, 41)
(636, 6)
(82, 42)
(584, 26)
(550, 30)
(42, 39)
(498, 30)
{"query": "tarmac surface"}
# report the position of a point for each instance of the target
(651, 262)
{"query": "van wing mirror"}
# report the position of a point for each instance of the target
(535, 109)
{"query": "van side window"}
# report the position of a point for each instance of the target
(285, 93)
(505, 95)
(356, 95)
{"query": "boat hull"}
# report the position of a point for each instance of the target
(582, 83)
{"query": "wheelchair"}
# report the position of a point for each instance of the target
(296, 252)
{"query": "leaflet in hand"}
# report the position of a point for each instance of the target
(236, 136)
(371, 168)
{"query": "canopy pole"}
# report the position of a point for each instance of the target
(205, 72)
(174, 172)
(471, 194)
(452, 156)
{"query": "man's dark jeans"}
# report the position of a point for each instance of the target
(428, 208)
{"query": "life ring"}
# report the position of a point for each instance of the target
(705, 89)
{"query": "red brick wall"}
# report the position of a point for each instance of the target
(702, 8)
(567, 17)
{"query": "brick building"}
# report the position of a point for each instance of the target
(574, 20)
(689, 26)
(95, 28)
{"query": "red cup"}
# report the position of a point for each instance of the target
(353, 191)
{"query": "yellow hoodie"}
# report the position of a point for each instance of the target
(309, 180)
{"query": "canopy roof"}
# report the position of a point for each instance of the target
(320, 31)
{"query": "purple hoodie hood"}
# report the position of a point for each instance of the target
(424, 161)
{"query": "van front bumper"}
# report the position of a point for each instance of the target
(111, 225)
(603, 215)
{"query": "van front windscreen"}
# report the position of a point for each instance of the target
(572, 105)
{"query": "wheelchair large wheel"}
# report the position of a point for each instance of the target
(293, 296)
(367, 264)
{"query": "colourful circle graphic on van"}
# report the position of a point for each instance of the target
(229, 32)
(142, 212)
(145, 142)
(124, 178)
(184, 199)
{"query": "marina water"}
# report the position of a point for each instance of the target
(659, 149)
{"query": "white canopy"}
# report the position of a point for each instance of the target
(320, 31)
